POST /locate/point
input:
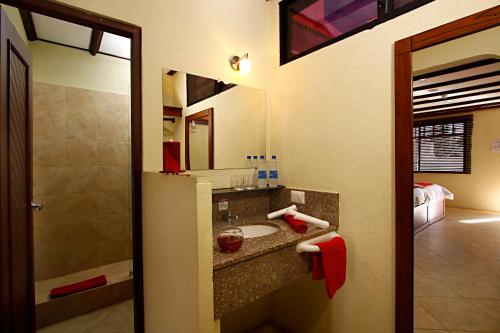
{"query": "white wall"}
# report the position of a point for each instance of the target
(333, 121)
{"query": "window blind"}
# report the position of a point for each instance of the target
(443, 145)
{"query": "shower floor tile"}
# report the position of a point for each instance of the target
(117, 318)
(115, 272)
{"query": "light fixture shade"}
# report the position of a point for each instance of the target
(245, 66)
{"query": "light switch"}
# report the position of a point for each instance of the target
(223, 205)
(298, 197)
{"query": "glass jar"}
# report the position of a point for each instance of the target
(230, 239)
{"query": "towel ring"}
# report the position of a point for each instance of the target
(308, 245)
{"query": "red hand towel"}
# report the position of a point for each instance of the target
(79, 286)
(330, 264)
(297, 225)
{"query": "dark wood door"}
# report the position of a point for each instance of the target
(16, 228)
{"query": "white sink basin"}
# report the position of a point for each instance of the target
(257, 230)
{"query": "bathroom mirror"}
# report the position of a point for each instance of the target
(217, 124)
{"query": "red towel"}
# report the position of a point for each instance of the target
(297, 225)
(79, 286)
(172, 156)
(330, 264)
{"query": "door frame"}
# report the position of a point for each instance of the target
(404, 147)
(93, 20)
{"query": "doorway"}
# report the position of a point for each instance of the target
(79, 120)
(405, 136)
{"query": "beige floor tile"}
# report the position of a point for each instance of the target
(472, 286)
(117, 318)
(426, 285)
(459, 314)
(423, 319)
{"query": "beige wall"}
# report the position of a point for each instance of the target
(332, 125)
(481, 189)
(15, 18)
(198, 148)
(76, 68)
(457, 51)
(81, 167)
(191, 36)
(333, 121)
(177, 265)
(239, 125)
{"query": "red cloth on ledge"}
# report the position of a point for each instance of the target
(330, 264)
(78, 287)
(297, 225)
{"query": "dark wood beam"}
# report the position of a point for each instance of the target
(29, 26)
(172, 111)
(95, 41)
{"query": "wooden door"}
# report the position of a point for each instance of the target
(16, 228)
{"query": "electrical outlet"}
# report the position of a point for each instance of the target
(223, 205)
(298, 197)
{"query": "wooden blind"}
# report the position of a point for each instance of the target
(443, 145)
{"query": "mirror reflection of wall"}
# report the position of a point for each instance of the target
(237, 116)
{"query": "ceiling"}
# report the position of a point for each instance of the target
(469, 86)
(51, 30)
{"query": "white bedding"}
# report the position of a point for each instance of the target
(429, 193)
(418, 196)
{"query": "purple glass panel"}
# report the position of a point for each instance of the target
(313, 22)
(401, 3)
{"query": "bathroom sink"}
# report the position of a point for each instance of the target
(258, 230)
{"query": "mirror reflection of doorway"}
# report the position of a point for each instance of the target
(199, 139)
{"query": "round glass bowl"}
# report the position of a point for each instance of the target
(230, 239)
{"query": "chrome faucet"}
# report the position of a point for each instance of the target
(228, 217)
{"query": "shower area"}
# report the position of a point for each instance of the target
(82, 177)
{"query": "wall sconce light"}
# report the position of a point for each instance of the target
(241, 64)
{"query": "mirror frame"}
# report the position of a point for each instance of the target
(403, 135)
(209, 113)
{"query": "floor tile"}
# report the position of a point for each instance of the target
(459, 314)
(423, 319)
(457, 274)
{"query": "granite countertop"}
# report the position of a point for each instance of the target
(254, 247)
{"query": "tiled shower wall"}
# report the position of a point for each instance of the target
(81, 173)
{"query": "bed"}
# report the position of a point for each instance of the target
(429, 204)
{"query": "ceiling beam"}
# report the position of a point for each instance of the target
(95, 41)
(29, 26)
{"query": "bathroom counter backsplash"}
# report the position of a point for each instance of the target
(254, 247)
(252, 207)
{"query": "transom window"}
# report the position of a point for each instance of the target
(443, 145)
(308, 25)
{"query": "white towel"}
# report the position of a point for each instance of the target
(281, 212)
(309, 219)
